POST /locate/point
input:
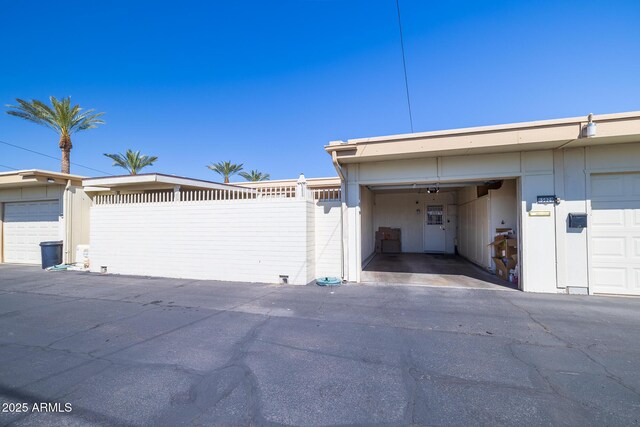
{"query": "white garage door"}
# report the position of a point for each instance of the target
(25, 225)
(615, 234)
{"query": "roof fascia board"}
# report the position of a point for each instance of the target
(130, 180)
(496, 128)
(550, 134)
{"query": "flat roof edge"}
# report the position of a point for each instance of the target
(335, 146)
(152, 178)
(40, 172)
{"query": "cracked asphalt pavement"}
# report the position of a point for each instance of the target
(155, 351)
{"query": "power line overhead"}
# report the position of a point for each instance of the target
(404, 66)
(52, 157)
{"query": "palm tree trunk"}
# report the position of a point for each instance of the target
(65, 147)
(65, 164)
(226, 179)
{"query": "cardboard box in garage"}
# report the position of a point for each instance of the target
(387, 240)
(390, 246)
(503, 266)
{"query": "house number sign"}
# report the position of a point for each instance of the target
(548, 199)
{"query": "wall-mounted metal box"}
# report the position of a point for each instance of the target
(577, 220)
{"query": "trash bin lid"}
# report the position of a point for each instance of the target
(52, 243)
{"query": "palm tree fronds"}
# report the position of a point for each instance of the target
(132, 161)
(60, 117)
(225, 169)
(255, 175)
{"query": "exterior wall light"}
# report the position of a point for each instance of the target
(591, 127)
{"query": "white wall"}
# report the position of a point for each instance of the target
(473, 229)
(400, 210)
(538, 253)
(352, 224)
(503, 207)
(78, 220)
(572, 171)
(484, 166)
(236, 240)
(366, 219)
(479, 218)
(310, 239)
(328, 239)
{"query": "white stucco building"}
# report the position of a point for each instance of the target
(567, 191)
(492, 177)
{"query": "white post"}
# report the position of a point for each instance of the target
(301, 187)
(176, 193)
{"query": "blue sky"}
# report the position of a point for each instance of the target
(268, 83)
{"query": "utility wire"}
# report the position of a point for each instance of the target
(51, 157)
(8, 167)
(404, 65)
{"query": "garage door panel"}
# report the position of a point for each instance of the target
(635, 248)
(607, 217)
(614, 278)
(25, 225)
(615, 234)
(609, 246)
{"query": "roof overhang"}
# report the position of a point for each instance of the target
(34, 177)
(527, 136)
(153, 181)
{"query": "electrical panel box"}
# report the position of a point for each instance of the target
(577, 220)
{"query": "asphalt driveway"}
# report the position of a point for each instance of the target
(152, 351)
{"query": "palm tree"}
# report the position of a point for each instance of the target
(132, 161)
(60, 117)
(226, 169)
(254, 175)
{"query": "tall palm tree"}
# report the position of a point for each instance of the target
(226, 169)
(60, 117)
(132, 161)
(254, 175)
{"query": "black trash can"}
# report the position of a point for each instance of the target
(51, 253)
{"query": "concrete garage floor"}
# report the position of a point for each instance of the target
(430, 270)
(154, 351)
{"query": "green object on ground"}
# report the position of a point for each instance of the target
(328, 281)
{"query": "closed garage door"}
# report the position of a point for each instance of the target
(615, 234)
(25, 225)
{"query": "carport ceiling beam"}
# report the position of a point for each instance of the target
(419, 186)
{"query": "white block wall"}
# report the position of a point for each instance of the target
(237, 240)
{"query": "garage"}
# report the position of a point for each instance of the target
(38, 206)
(572, 213)
(615, 234)
(25, 225)
(441, 233)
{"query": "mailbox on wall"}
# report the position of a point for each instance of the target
(577, 220)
